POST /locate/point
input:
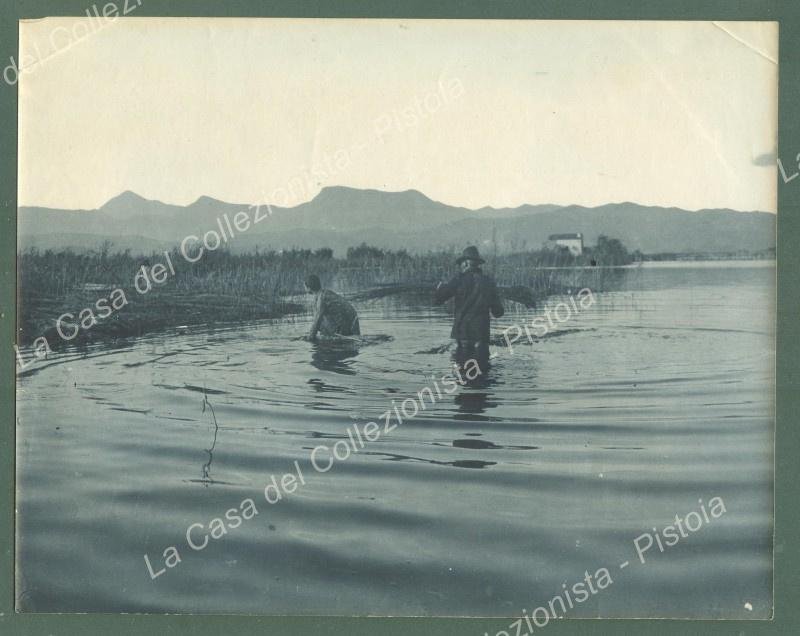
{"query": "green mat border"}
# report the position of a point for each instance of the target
(787, 571)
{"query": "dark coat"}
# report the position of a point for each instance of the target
(476, 295)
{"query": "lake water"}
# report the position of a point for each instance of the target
(657, 396)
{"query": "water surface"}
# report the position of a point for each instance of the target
(657, 396)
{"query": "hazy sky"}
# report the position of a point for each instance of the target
(471, 113)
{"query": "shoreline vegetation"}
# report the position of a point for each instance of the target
(69, 298)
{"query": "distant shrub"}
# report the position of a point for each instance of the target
(364, 252)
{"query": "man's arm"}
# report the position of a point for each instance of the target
(496, 307)
(315, 324)
(445, 291)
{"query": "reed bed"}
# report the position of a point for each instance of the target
(223, 287)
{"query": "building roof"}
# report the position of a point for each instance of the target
(559, 237)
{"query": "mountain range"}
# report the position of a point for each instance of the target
(340, 217)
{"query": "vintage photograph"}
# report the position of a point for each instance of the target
(370, 317)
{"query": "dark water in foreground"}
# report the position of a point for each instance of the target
(656, 396)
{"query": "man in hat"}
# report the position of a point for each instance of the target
(333, 315)
(475, 298)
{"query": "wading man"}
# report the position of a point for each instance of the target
(475, 298)
(333, 315)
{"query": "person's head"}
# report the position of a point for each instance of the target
(470, 259)
(468, 264)
(313, 284)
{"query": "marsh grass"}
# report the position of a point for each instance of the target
(224, 288)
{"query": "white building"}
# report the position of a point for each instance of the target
(573, 242)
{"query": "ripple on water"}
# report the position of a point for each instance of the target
(486, 501)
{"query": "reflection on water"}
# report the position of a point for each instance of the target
(336, 354)
(472, 404)
(459, 463)
(333, 359)
(486, 501)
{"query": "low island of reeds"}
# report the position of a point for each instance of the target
(67, 297)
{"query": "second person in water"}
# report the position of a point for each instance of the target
(333, 315)
(476, 297)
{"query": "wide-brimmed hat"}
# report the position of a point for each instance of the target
(470, 254)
